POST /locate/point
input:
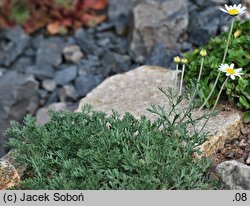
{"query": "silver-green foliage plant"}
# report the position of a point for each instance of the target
(90, 150)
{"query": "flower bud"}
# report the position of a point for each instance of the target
(177, 60)
(237, 33)
(184, 61)
(203, 53)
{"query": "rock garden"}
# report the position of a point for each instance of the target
(151, 94)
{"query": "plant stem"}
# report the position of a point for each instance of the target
(198, 81)
(182, 75)
(223, 61)
(176, 75)
(216, 102)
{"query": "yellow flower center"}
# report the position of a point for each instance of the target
(233, 12)
(230, 71)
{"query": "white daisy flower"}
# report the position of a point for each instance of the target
(234, 10)
(230, 71)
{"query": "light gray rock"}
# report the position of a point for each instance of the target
(18, 96)
(2, 71)
(10, 170)
(136, 90)
(72, 53)
(9, 175)
(49, 84)
(68, 93)
(157, 21)
(42, 115)
(234, 175)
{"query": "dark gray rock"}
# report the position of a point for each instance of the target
(115, 63)
(90, 66)
(204, 24)
(66, 75)
(205, 3)
(104, 42)
(37, 41)
(108, 34)
(85, 41)
(18, 96)
(52, 98)
(21, 64)
(164, 22)
(161, 56)
(43, 71)
(30, 52)
(123, 7)
(121, 25)
(42, 93)
(84, 84)
(120, 46)
(13, 42)
(50, 51)
(186, 46)
(105, 26)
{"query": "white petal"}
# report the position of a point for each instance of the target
(242, 11)
(232, 66)
(238, 70)
(226, 6)
(224, 66)
(223, 10)
(238, 75)
(222, 69)
(227, 74)
(232, 77)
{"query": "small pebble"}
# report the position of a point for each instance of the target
(248, 159)
(242, 143)
(230, 155)
(49, 84)
(240, 152)
(245, 130)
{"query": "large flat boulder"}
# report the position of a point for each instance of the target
(136, 90)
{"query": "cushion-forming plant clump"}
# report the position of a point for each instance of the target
(90, 150)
